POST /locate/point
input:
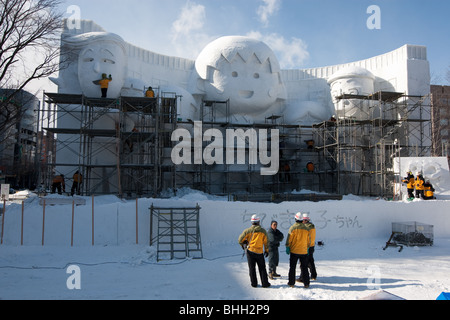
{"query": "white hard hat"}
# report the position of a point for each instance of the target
(298, 216)
(256, 218)
(306, 217)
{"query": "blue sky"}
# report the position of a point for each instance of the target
(303, 33)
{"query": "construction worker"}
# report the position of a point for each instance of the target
(275, 236)
(428, 191)
(419, 182)
(59, 183)
(254, 241)
(150, 93)
(409, 180)
(297, 244)
(104, 84)
(77, 179)
(311, 264)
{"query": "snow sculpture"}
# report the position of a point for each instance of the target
(244, 71)
(355, 81)
(94, 54)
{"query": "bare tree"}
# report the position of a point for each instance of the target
(29, 49)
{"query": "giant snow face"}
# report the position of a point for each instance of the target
(90, 55)
(101, 57)
(243, 70)
(355, 81)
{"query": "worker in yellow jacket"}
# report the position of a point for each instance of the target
(410, 184)
(254, 241)
(104, 84)
(312, 245)
(77, 180)
(298, 242)
(420, 181)
(59, 184)
(428, 191)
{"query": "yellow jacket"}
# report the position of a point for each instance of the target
(410, 182)
(256, 237)
(299, 238)
(419, 184)
(429, 190)
(312, 234)
(104, 83)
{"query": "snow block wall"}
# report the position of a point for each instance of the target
(220, 221)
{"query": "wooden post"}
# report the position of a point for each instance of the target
(3, 219)
(43, 223)
(137, 225)
(92, 220)
(73, 214)
(21, 228)
(151, 225)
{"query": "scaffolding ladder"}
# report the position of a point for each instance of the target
(178, 232)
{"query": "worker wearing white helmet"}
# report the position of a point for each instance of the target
(298, 242)
(254, 241)
(312, 242)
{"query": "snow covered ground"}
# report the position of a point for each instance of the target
(351, 264)
(347, 270)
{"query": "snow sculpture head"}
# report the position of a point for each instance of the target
(99, 53)
(351, 80)
(243, 70)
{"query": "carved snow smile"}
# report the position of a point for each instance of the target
(247, 94)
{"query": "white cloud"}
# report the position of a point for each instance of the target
(191, 18)
(269, 8)
(292, 54)
(187, 33)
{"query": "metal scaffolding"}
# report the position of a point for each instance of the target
(356, 153)
(123, 146)
(118, 145)
(178, 232)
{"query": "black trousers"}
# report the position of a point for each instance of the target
(274, 258)
(420, 194)
(410, 193)
(293, 259)
(104, 92)
(75, 188)
(57, 186)
(254, 259)
(311, 264)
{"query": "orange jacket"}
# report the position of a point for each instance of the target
(77, 177)
(59, 179)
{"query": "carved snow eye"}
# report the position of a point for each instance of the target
(109, 61)
(88, 59)
(234, 74)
